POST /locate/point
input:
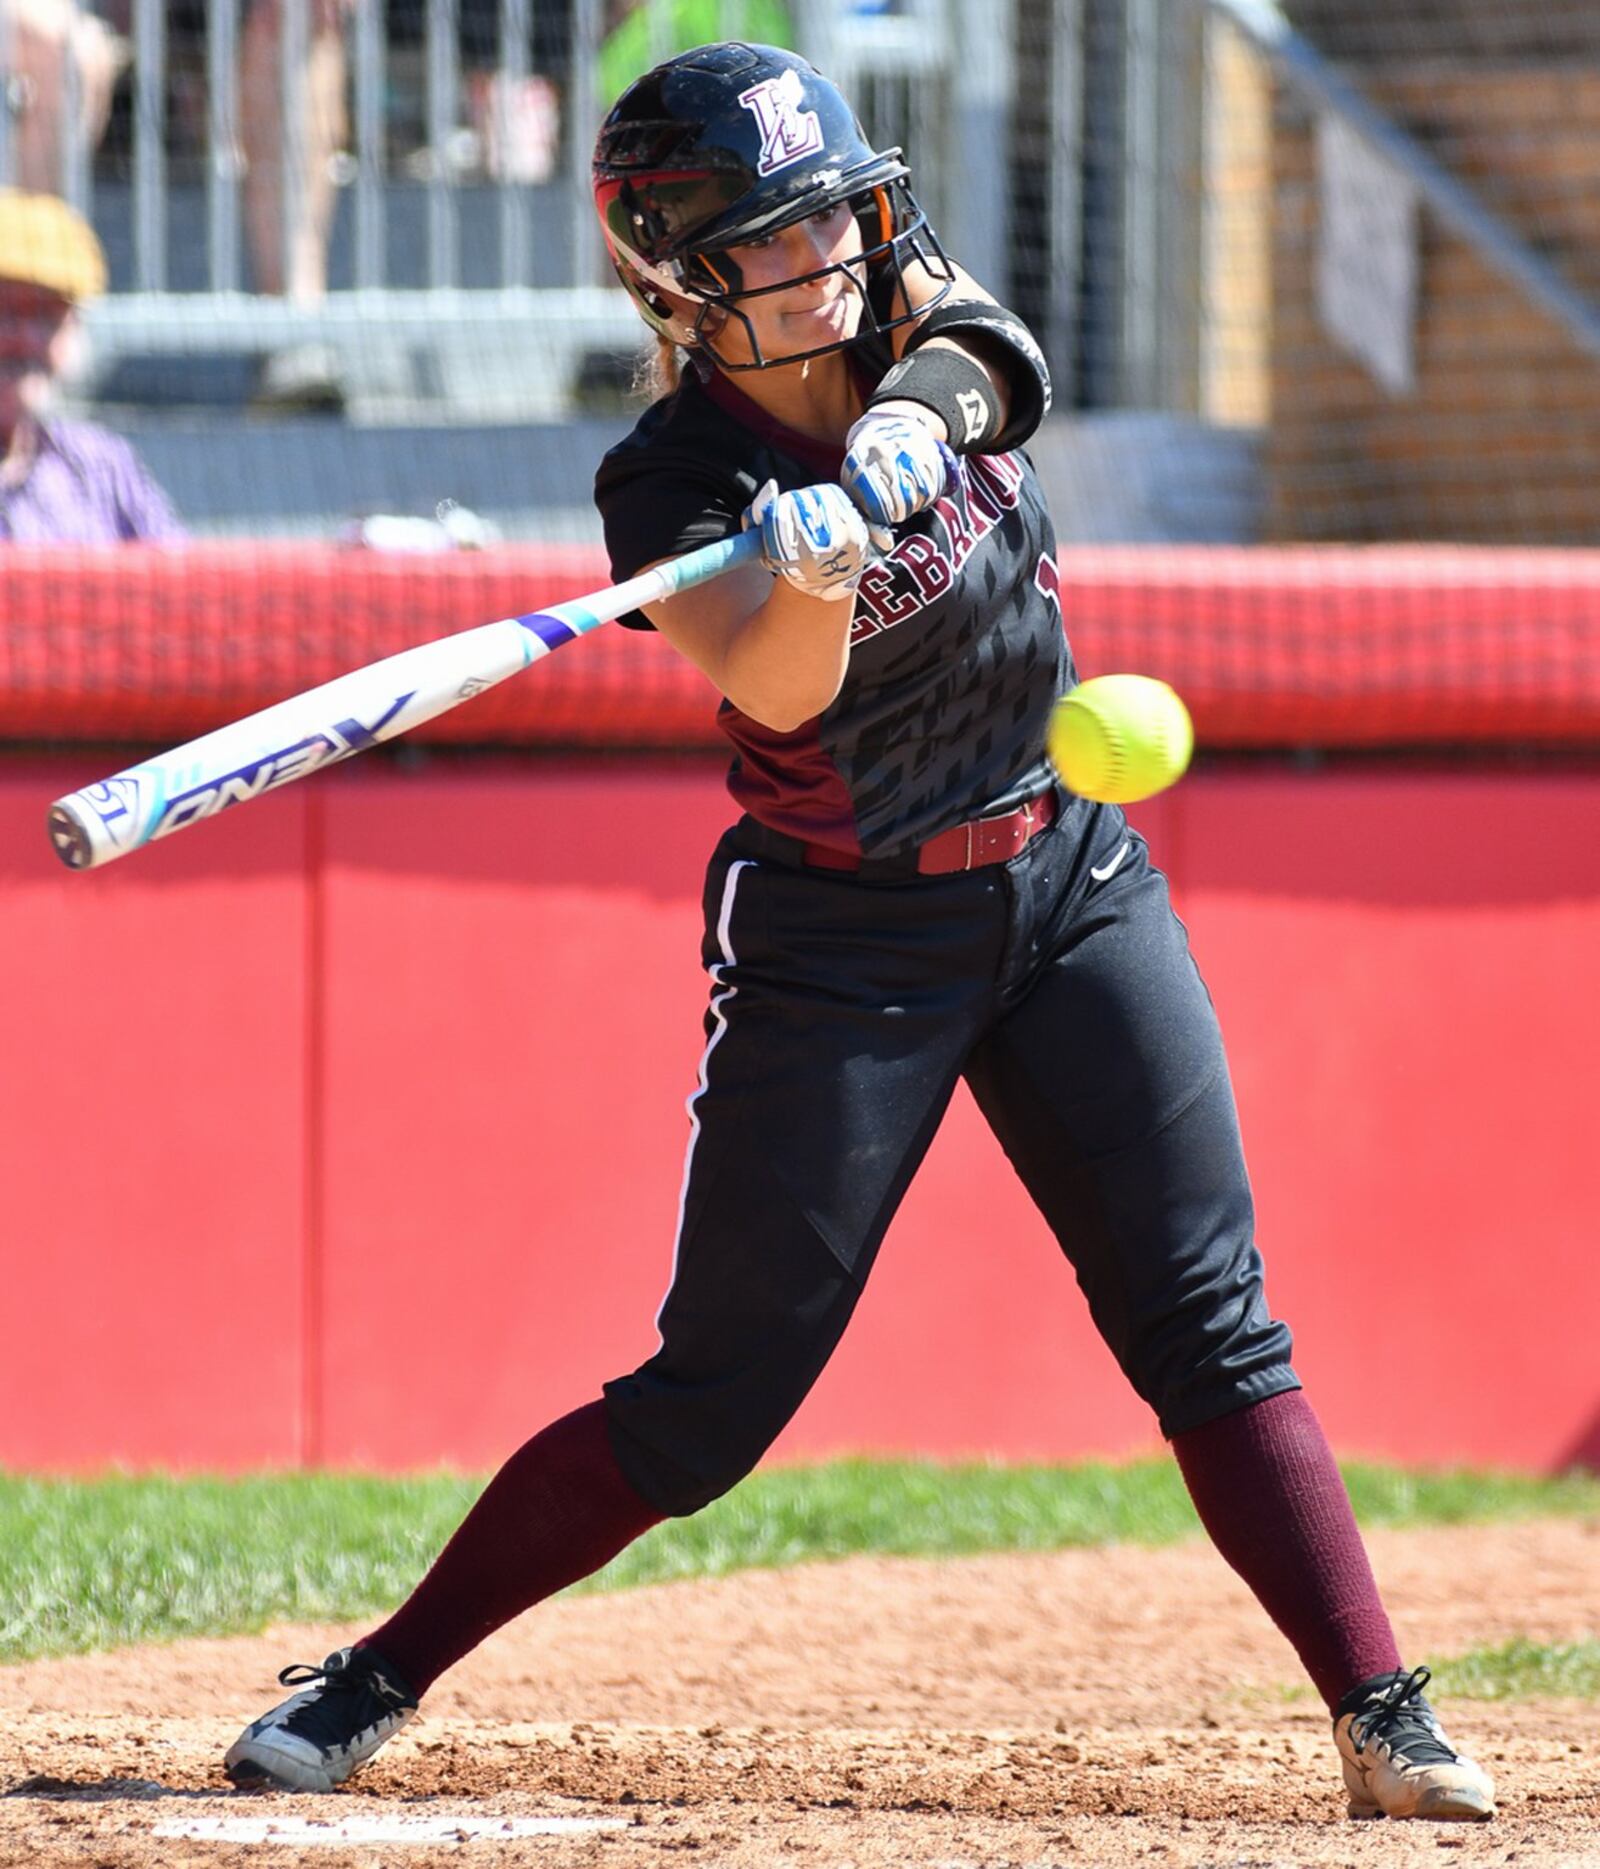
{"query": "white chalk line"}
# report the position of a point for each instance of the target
(304, 1831)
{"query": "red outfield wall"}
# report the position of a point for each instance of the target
(349, 1130)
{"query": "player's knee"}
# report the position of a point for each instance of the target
(675, 1490)
(1238, 1354)
(671, 1465)
(1194, 1408)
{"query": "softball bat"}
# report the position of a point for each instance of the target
(296, 737)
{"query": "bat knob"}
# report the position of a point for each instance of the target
(69, 839)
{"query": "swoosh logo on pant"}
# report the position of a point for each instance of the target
(1103, 872)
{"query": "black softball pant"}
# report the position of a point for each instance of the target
(843, 1011)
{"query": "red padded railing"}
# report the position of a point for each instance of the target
(1321, 646)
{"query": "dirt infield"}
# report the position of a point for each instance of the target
(1081, 1708)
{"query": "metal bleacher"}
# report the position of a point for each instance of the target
(481, 353)
(472, 341)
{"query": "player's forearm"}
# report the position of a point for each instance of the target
(1002, 361)
(973, 351)
(786, 662)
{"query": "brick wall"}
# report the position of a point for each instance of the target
(1500, 442)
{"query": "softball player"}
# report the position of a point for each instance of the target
(907, 900)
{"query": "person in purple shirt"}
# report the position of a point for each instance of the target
(61, 482)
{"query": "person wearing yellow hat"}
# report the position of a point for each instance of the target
(61, 482)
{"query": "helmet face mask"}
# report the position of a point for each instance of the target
(727, 145)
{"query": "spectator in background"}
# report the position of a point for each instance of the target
(644, 32)
(516, 128)
(48, 49)
(289, 249)
(41, 39)
(288, 254)
(292, 262)
(61, 482)
(517, 134)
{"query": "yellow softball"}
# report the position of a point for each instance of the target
(1120, 738)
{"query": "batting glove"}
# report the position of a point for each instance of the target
(894, 466)
(814, 538)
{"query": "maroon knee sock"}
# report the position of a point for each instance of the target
(556, 1511)
(1267, 1490)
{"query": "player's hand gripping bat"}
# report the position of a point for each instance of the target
(301, 735)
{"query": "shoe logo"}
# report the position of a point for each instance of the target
(1103, 873)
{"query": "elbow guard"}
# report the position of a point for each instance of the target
(956, 389)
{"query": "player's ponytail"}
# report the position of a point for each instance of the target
(660, 369)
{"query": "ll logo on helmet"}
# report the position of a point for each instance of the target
(787, 131)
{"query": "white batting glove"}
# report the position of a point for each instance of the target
(894, 466)
(813, 537)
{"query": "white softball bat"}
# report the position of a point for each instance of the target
(294, 738)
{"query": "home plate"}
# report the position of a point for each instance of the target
(302, 1831)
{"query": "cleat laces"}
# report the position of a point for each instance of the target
(1401, 1719)
(354, 1698)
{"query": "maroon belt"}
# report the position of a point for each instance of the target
(963, 847)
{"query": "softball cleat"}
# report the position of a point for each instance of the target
(1397, 1761)
(314, 1740)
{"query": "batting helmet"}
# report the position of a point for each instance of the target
(729, 143)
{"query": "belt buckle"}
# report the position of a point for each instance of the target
(1020, 822)
(1000, 838)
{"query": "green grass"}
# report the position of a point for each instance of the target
(1523, 1670)
(1517, 1670)
(95, 1564)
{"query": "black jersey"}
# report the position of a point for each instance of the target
(957, 650)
